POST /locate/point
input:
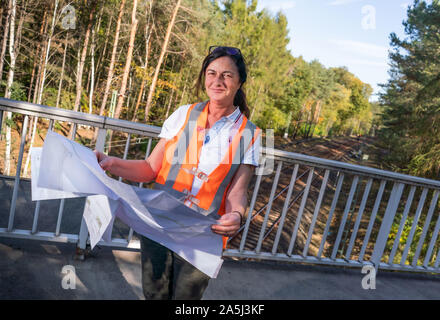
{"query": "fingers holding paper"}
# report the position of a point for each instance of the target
(104, 160)
(228, 225)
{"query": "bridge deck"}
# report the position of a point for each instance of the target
(32, 270)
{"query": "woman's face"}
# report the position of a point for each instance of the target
(222, 80)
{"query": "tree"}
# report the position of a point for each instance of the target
(42, 82)
(13, 9)
(82, 59)
(112, 59)
(121, 96)
(412, 95)
(160, 60)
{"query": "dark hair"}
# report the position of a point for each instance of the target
(240, 96)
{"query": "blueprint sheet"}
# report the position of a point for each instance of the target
(66, 169)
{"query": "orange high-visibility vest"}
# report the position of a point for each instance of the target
(181, 158)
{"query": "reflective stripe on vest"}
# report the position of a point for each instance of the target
(181, 158)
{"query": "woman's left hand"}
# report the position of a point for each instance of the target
(229, 223)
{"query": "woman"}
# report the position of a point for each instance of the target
(205, 157)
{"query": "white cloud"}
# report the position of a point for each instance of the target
(405, 5)
(365, 62)
(362, 48)
(276, 6)
(342, 2)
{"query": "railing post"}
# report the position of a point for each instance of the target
(387, 221)
(84, 232)
(17, 175)
(1, 119)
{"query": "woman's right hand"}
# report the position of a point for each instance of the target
(105, 161)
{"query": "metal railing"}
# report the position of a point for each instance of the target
(353, 216)
(348, 215)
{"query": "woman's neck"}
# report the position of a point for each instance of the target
(216, 110)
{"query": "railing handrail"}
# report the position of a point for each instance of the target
(152, 131)
(104, 122)
(348, 167)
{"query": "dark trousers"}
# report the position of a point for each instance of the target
(165, 275)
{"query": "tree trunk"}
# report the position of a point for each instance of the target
(256, 106)
(82, 60)
(121, 95)
(38, 63)
(41, 87)
(298, 121)
(20, 28)
(171, 94)
(60, 86)
(159, 62)
(169, 103)
(37, 55)
(112, 61)
(5, 40)
(12, 6)
(148, 31)
(183, 93)
(138, 102)
(315, 119)
(104, 51)
(92, 76)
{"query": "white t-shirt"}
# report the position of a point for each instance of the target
(216, 141)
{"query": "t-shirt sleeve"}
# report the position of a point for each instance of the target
(174, 122)
(252, 155)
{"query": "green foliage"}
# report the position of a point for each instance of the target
(412, 97)
(320, 100)
(17, 90)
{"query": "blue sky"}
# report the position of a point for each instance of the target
(351, 33)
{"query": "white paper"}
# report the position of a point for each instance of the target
(69, 167)
(99, 214)
(43, 193)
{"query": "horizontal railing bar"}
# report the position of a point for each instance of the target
(348, 167)
(94, 120)
(233, 253)
(121, 243)
(40, 235)
(65, 238)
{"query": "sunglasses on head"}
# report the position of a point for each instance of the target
(229, 50)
